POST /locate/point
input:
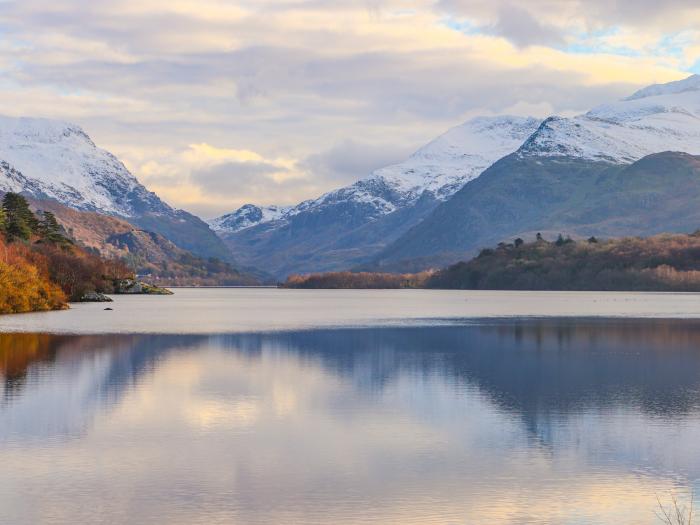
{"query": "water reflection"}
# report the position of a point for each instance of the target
(557, 421)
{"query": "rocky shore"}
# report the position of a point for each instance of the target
(125, 287)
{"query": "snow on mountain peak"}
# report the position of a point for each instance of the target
(692, 83)
(444, 165)
(39, 130)
(246, 216)
(657, 118)
(441, 168)
(58, 160)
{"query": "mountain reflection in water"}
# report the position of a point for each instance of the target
(553, 421)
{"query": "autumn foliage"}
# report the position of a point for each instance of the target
(337, 280)
(41, 268)
(25, 285)
(668, 262)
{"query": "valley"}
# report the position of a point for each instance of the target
(626, 168)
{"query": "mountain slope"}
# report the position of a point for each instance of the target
(50, 159)
(145, 252)
(247, 216)
(518, 197)
(563, 153)
(347, 226)
(667, 262)
(658, 118)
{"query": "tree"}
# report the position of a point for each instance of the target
(20, 222)
(561, 241)
(518, 242)
(592, 240)
(538, 236)
(50, 230)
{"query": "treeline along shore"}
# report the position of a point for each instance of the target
(41, 268)
(666, 262)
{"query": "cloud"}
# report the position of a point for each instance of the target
(235, 177)
(523, 29)
(324, 91)
(350, 160)
(560, 22)
(591, 13)
(207, 155)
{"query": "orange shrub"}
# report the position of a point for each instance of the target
(24, 286)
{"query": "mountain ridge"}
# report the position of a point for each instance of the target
(659, 193)
(347, 226)
(362, 223)
(55, 160)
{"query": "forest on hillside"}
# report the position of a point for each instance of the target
(660, 263)
(40, 267)
(667, 262)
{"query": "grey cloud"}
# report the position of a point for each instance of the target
(360, 110)
(523, 29)
(233, 177)
(350, 160)
(305, 86)
(596, 13)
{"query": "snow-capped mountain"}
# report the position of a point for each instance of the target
(55, 160)
(346, 226)
(441, 167)
(663, 117)
(625, 168)
(246, 216)
(447, 163)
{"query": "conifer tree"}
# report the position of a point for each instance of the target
(20, 222)
(50, 230)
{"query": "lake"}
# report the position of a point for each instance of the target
(265, 406)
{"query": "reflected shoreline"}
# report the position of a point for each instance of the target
(575, 359)
(545, 417)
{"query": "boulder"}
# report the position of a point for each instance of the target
(95, 297)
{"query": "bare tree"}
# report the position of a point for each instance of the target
(676, 514)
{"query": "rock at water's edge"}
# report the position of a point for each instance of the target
(131, 286)
(95, 297)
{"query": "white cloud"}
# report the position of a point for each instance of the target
(300, 83)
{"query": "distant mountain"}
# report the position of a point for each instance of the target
(50, 159)
(246, 216)
(520, 196)
(658, 118)
(146, 253)
(348, 226)
(581, 176)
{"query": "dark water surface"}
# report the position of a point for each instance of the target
(571, 421)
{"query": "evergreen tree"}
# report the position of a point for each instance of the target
(20, 222)
(50, 230)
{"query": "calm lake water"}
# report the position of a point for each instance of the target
(399, 407)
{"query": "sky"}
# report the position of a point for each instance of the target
(216, 103)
